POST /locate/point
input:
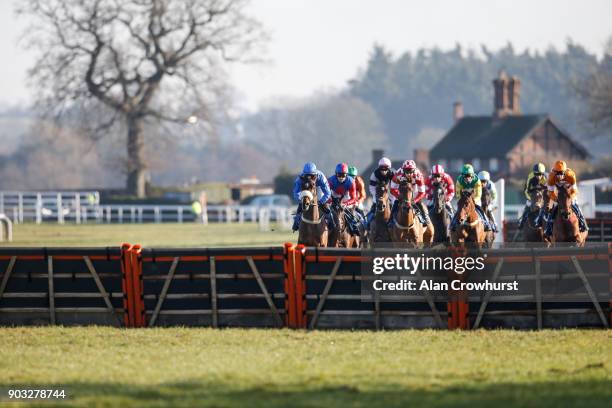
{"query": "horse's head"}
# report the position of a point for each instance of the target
(337, 204)
(465, 206)
(405, 193)
(382, 194)
(536, 196)
(439, 197)
(308, 190)
(485, 198)
(564, 201)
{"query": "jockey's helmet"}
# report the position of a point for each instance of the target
(484, 176)
(560, 167)
(539, 168)
(341, 169)
(309, 168)
(409, 166)
(384, 162)
(467, 170)
(352, 171)
(437, 170)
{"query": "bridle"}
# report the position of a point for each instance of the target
(311, 203)
(405, 203)
(463, 221)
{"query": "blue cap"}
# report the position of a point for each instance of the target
(309, 168)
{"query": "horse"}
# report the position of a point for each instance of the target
(406, 228)
(533, 230)
(378, 227)
(565, 226)
(313, 228)
(485, 202)
(439, 214)
(469, 225)
(340, 235)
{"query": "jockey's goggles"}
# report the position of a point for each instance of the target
(436, 175)
(408, 171)
(558, 173)
(384, 168)
(341, 175)
(537, 174)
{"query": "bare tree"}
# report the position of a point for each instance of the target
(139, 60)
(596, 90)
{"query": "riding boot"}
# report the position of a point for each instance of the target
(297, 218)
(492, 221)
(370, 215)
(450, 209)
(454, 221)
(581, 221)
(424, 213)
(523, 217)
(549, 223)
(351, 222)
(328, 216)
(485, 219)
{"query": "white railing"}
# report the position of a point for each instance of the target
(282, 216)
(6, 225)
(57, 205)
(84, 206)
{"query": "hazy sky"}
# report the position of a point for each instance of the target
(320, 44)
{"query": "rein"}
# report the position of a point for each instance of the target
(398, 225)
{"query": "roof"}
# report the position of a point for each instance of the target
(486, 136)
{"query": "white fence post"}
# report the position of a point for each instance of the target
(38, 208)
(77, 208)
(20, 205)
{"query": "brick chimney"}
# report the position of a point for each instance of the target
(457, 111)
(514, 94)
(421, 157)
(501, 101)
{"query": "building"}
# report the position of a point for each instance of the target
(507, 141)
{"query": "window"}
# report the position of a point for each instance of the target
(476, 165)
(493, 164)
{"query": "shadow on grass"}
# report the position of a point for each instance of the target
(593, 393)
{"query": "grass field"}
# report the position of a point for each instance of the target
(177, 235)
(262, 368)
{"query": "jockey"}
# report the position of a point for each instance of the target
(323, 192)
(409, 171)
(343, 186)
(467, 181)
(485, 181)
(383, 173)
(562, 176)
(438, 175)
(359, 187)
(537, 178)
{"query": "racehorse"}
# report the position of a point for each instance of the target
(378, 227)
(566, 227)
(439, 214)
(313, 228)
(340, 235)
(469, 225)
(533, 230)
(485, 202)
(406, 228)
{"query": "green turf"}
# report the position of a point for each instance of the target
(279, 368)
(180, 235)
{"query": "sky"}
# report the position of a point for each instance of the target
(318, 45)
